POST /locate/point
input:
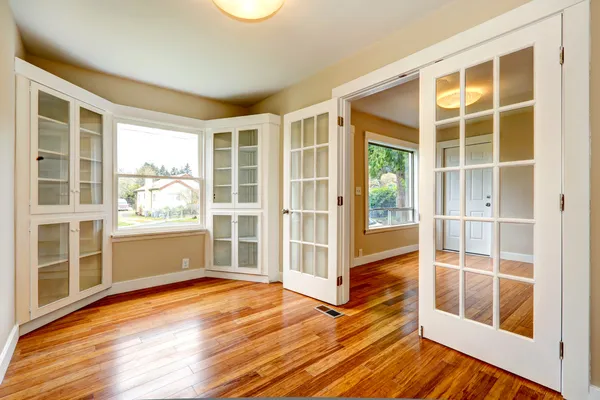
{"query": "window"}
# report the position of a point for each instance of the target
(159, 176)
(390, 171)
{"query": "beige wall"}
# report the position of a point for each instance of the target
(10, 45)
(134, 259)
(595, 177)
(135, 94)
(376, 242)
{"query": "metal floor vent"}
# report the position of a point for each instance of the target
(329, 311)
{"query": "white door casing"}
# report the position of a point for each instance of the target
(310, 202)
(535, 358)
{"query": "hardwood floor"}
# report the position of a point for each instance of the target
(219, 338)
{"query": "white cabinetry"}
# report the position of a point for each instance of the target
(243, 195)
(62, 193)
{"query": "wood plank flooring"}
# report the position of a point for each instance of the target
(219, 338)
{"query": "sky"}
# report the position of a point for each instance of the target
(139, 144)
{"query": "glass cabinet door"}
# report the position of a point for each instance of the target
(248, 242)
(51, 153)
(247, 167)
(91, 124)
(222, 168)
(91, 239)
(223, 240)
(53, 263)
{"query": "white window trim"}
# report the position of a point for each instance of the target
(371, 137)
(151, 119)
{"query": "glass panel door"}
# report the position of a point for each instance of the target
(91, 129)
(310, 201)
(51, 151)
(248, 246)
(490, 279)
(223, 240)
(247, 193)
(91, 240)
(53, 263)
(223, 169)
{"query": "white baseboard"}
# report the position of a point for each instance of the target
(594, 393)
(384, 254)
(8, 350)
(153, 281)
(507, 255)
(61, 312)
(237, 276)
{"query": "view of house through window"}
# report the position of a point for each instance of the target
(158, 177)
(391, 180)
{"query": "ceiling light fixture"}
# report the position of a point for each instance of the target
(451, 99)
(249, 10)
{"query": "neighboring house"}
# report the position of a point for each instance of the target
(165, 193)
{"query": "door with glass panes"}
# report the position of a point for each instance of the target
(310, 231)
(502, 306)
(67, 154)
(236, 241)
(68, 261)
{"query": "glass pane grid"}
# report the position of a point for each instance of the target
(489, 286)
(309, 192)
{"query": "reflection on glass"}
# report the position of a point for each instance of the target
(247, 226)
(448, 96)
(321, 262)
(447, 290)
(222, 174)
(447, 139)
(53, 150)
(222, 243)
(247, 191)
(516, 77)
(90, 157)
(448, 191)
(90, 254)
(516, 135)
(516, 192)
(447, 235)
(53, 263)
(479, 192)
(516, 307)
(479, 140)
(479, 300)
(516, 249)
(480, 87)
(478, 245)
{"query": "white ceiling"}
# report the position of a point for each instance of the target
(190, 46)
(399, 104)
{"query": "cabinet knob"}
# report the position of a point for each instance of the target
(285, 211)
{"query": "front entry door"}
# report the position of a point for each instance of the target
(310, 170)
(498, 298)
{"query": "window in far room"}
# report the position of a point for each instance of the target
(159, 177)
(391, 166)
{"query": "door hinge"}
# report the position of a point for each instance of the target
(561, 55)
(340, 121)
(562, 202)
(339, 281)
(340, 201)
(561, 350)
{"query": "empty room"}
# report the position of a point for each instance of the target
(299, 198)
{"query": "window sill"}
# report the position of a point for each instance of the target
(373, 231)
(134, 235)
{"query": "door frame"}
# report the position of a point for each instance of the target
(575, 169)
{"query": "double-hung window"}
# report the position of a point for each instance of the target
(391, 166)
(159, 177)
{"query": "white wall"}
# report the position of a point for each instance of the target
(10, 45)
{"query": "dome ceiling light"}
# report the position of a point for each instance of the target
(451, 99)
(249, 10)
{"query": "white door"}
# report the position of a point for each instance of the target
(311, 201)
(504, 308)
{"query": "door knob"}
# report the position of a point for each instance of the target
(285, 211)
(488, 204)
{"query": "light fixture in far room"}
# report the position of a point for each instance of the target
(250, 10)
(451, 99)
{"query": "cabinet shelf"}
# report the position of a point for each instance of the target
(249, 167)
(221, 186)
(54, 121)
(53, 180)
(89, 132)
(90, 183)
(248, 239)
(223, 169)
(248, 148)
(90, 159)
(223, 149)
(48, 261)
(223, 239)
(90, 253)
(53, 153)
(248, 184)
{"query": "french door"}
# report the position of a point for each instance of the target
(503, 308)
(310, 170)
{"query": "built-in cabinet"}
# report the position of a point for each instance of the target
(243, 195)
(63, 194)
